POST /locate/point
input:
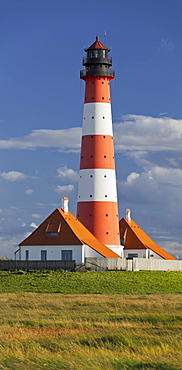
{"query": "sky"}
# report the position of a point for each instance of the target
(41, 106)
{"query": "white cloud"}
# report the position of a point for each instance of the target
(132, 177)
(145, 133)
(64, 188)
(12, 176)
(36, 215)
(166, 44)
(33, 225)
(156, 186)
(29, 191)
(68, 139)
(134, 132)
(67, 173)
(173, 247)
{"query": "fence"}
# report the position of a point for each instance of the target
(96, 264)
(37, 265)
(135, 264)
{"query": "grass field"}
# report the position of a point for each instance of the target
(140, 329)
(55, 331)
(106, 282)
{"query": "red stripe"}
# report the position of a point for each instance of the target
(97, 151)
(101, 218)
(97, 89)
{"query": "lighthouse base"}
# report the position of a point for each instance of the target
(118, 249)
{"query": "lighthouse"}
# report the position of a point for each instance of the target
(97, 206)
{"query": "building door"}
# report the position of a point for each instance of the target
(43, 255)
(66, 255)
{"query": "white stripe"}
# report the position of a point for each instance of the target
(97, 185)
(97, 119)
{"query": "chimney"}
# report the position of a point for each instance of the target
(128, 215)
(65, 201)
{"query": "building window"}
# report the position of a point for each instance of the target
(27, 255)
(53, 230)
(43, 255)
(132, 255)
(66, 255)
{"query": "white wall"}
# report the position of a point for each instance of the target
(89, 252)
(79, 252)
(53, 252)
(117, 249)
(142, 253)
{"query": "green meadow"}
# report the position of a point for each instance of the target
(105, 282)
(93, 320)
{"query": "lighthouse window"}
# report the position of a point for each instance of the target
(90, 214)
(104, 137)
(92, 117)
(91, 156)
(105, 196)
(102, 82)
(106, 214)
(107, 232)
(105, 176)
(91, 196)
(91, 175)
(104, 156)
(103, 97)
(103, 117)
(92, 97)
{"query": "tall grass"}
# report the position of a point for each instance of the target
(55, 331)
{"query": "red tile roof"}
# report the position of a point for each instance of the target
(97, 45)
(71, 232)
(135, 238)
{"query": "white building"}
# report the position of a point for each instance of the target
(137, 244)
(63, 237)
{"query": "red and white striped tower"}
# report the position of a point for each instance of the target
(97, 206)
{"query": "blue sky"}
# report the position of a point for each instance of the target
(41, 48)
